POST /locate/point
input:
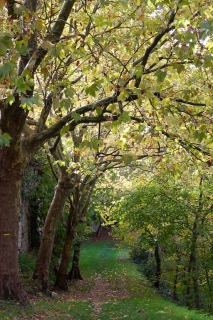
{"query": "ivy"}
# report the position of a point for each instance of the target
(5, 140)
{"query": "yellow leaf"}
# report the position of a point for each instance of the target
(46, 45)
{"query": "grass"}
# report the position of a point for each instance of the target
(144, 302)
(102, 260)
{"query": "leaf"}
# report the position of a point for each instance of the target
(179, 68)
(161, 75)
(98, 110)
(76, 116)
(64, 130)
(5, 140)
(10, 99)
(95, 144)
(46, 45)
(29, 103)
(21, 84)
(21, 47)
(60, 163)
(127, 159)
(124, 117)
(5, 43)
(6, 69)
(92, 89)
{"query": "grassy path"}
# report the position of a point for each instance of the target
(113, 289)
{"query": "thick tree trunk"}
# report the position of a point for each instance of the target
(75, 273)
(11, 172)
(61, 279)
(62, 190)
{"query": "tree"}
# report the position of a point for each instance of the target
(59, 56)
(170, 218)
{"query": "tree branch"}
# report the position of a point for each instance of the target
(53, 36)
(143, 60)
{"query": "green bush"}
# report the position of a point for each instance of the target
(27, 263)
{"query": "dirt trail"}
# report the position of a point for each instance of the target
(98, 291)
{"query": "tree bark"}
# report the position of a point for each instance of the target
(61, 279)
(158, 267)
(193, 299)
(78, 209)
(75, 273)
(11, 172)
(175, 296)
(62, 190)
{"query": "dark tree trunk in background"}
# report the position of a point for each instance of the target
(34, 224)
(175, 296)
(75, 273)
(158, 267)
(193, 299)
(62, 190)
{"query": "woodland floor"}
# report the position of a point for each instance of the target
(112, 289)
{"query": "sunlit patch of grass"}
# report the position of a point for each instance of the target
(148, 309)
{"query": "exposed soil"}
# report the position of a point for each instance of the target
(98, 291)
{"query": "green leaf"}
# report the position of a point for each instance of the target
(76, 116)
(64, 130)
(60, 163)
(98, 110)
(22, 85)
(95, 144)
(21, 47)
(7, 69)
(5, 43)
(161, 75)
(5, 140)
(65, 103)
(92, 89)
(10, 99)
(29, 103)
(179, 68)
(124, 117)
(207, 25)
(127, 159)
(84, 143)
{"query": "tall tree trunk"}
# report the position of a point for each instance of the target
(75, 273)
(61, 279)
(158, 267)
(11, 172)
(62, 190)
(193, 299)
(78, 209)
(175, 296)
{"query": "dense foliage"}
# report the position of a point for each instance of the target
(174, 216)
